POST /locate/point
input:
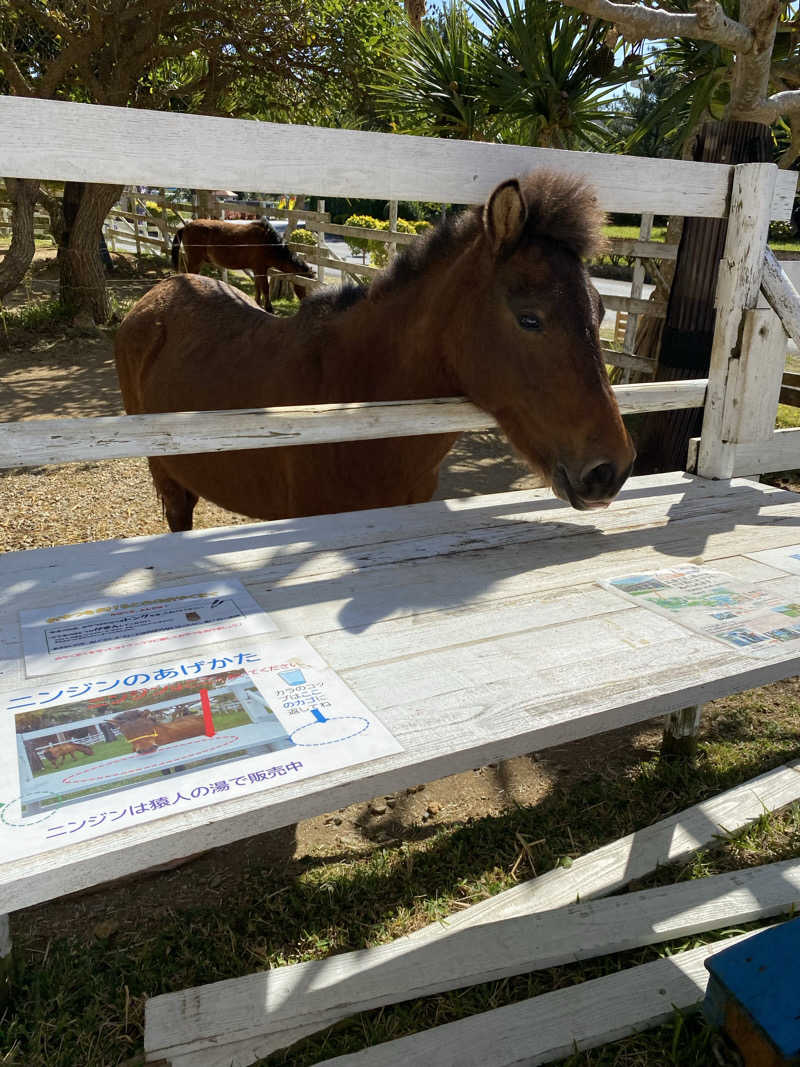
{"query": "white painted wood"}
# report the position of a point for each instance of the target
(781, 293)
(643, 247)
(84, 142)
(278, 1002)
(392, 247)
(365, 232)
(5, 937)
(43, 441)
(680, 731)
(551, 1026)
(629, 361)
(434, 603)
(738, 287)
(656, 308)
(645, 229)
(781, 452)
(763, 361)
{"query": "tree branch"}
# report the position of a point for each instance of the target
(635, 21)
(13, 74)
(786, 104)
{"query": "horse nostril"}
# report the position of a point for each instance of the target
(599, 479)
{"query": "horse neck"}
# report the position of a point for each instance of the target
(398, 344)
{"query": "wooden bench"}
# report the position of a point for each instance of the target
(475, 629)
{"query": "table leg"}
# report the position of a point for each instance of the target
(680, 732)
(5, 959)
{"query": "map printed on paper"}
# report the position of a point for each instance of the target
(68, 637)
(743, 615)
(79, 759)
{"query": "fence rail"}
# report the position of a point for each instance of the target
(52, 441)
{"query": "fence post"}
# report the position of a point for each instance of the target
(391, 248)
(321, 245)
(225, 269)
(629, 343)
(164, 221)
(727, 406)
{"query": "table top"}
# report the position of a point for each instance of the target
(475, 629)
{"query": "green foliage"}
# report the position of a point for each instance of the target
(378, 250)
(550, 73)
(303, 236)
(434, 82)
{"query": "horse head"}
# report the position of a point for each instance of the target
(140, 729)
(525, 342)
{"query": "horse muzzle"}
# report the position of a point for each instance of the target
(592, 487)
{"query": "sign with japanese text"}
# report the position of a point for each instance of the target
(752, 618)
(130, 745)
(109, 630)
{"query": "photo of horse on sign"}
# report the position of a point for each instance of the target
(108, 744)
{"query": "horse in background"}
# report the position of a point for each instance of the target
(57, 754)
(253, 246)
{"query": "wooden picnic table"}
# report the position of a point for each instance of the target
(475, 629)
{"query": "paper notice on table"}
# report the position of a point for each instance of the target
(743, 615)
(67, 637)
(80, 759)
(785, 559)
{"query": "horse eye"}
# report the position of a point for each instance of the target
(529, 322)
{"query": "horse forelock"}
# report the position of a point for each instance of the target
(562, 208)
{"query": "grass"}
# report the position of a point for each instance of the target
(33, 315)
(78, 997)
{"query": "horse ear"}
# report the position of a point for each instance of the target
(504, 215)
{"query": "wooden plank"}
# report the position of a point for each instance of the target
(316, 578)
(763, 360)
(781, 452)
(272, 1005)
(630, 246)
(656, 308)
(629, 361)
(85, 142)
(49, 441)
(365, 232)
(782, 295)
(551, 1026)
(738, 289)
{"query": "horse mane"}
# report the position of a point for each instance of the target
(269, 230)
(562, 208)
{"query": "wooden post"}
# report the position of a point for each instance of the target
(5, 960)
(738, 289)
(680, 732)
(321, 247)
(225, 269)
(629, 343)
(164, 221)
(392, 246)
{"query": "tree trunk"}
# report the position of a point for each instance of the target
(415, 9)
(82, 276)
(663, 438)
(15, 263)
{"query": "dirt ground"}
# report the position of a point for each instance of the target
(68, 372)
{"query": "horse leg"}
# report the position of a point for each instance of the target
(262, 291)
(193, 259)
(178, 503)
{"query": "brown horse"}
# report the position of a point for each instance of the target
(146, 735)
(57, 754)
(495, 305)
(251, 246)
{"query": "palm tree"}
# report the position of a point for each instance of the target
(551, 73)
(435, 85)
